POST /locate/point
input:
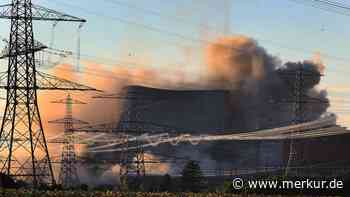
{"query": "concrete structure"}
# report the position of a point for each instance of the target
(208, 112)
(190, 111)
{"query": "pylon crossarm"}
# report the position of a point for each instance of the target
(5, 53)
(128, 126)
(3, 80)
(100, 128)
(72, 101)
(42, 13)
(58, 52)
(5, 10)
(50, 82)
(65, 141)
(65, 120)
(39, 13)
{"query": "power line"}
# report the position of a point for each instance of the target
(184, 37)
(209, 27)
(100, 74)
(121, 61)
(148, 27)
(156, 13)
(325, 5)
(333, 4)
(174, 18)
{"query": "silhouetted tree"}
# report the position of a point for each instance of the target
(192, 177)
(7, 182)
(136, 184)
(84, 187)
(228, 187)
(166, 185)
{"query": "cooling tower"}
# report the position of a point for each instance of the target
(199, 112)
(190, 111)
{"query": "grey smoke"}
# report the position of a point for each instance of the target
(261, 91)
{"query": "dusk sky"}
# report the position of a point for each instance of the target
(164, 34)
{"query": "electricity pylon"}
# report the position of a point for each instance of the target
(68, 176)
(298, 116)
(22, 138)
(299, 76)
(130, 162)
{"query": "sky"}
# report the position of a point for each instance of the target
(164, 34)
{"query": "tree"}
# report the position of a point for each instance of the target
(228, 187)
(192, 177)
(84, 187)
(166, 184)
(7, 182)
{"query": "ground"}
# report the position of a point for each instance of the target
(23, 193)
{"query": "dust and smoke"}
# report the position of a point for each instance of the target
(261, 86)
(233, 61)
(261, 89)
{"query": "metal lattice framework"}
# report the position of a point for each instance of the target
(6, 52)
(46, 81)
(298, 116)
(37, 13)
(42, 51)
(132, 162)
(131, 127)
(22, 137)
(68, 176)
(299, 99)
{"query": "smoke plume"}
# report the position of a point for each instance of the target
(233, 61)
(260, 86)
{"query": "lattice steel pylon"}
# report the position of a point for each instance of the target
(299, 76)
(68, 176)
(132, 162)
(22, 137)
(298, 116)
